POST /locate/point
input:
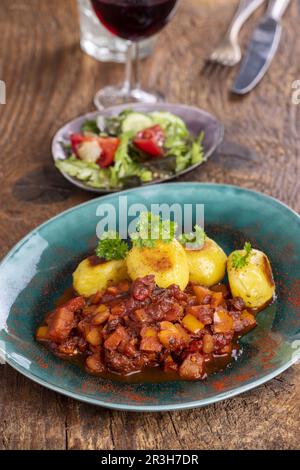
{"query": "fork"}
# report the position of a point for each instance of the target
(229, 53)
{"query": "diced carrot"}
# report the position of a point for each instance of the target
(217, 299)
(141, 315)
(192, 324)
(166, 338)
(42, 333)
(148, 332)
(94, 337)
(201, 293)
(100, 318)
(167, 325)
(172, 336)
(185, 337)
(223, 322)
(102, 308)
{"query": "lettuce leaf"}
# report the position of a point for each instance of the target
(90, 173)
(124, 166)
(188, 151)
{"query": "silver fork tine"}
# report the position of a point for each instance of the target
(228, 53)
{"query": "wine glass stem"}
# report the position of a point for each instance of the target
(136, 65)
(132, 80)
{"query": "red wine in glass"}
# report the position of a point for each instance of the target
(132, 20)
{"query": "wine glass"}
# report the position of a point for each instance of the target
(133, 20)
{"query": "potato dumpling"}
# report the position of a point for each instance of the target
(254, 281)
(89, 278)
(207, 265)
(166, 261)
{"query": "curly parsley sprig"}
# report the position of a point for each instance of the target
(111, 246)
(152, 228)
(194, 240)
(240, 260)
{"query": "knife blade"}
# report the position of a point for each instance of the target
(262, 48)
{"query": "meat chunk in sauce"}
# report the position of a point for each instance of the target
(131, 327)
(192, 367)
(95, 364)
(61, 322)
(115, 340)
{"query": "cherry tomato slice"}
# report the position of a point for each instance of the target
(76, 140)
(149, 147)
(109, 146)
(151, 141)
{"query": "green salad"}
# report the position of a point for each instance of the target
(130, 149)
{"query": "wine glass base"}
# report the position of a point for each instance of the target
(113, 96)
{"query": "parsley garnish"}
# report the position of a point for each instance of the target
(240, 260)
(194, 240)
(111, 247)
(151, 228)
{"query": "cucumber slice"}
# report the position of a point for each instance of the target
(136, 122)
(164, 118)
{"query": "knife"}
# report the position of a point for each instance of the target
(262, 48)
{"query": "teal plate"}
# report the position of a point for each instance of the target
(38, 270)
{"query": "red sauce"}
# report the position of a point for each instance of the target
(137, 332)
(67, 295)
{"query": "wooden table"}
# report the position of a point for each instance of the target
(49, 80)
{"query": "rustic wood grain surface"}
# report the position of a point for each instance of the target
(49, 80)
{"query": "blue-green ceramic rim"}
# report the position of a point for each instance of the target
(149, 408)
